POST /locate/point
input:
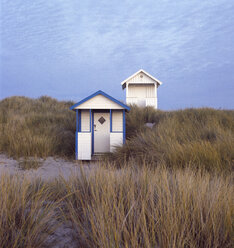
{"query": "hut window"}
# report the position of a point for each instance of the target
(101, 120)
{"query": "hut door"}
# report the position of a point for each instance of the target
(101, 132)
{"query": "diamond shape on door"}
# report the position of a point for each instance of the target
(101, 120)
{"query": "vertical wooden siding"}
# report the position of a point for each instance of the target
(85, 121)
(117, 121)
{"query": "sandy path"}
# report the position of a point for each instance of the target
(51, 168)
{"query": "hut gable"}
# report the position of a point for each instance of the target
(140, 77)
(99, 100)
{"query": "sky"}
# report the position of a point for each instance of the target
(68, 49)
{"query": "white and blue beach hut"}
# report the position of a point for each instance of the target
(100, 125)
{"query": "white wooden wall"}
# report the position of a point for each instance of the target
(84, 146)
(116, 139)
(117, 121)
(85, 121)
(116, 136)
(142, 95)
(141, 91)
(85, 139)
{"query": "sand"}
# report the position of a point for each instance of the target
(51, 168)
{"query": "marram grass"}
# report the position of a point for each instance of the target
(202, 138)
(151, 208)
(120, 208)
(27, 213)
(36, 127)
(174, 188)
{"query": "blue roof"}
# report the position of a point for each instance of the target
(100, 93)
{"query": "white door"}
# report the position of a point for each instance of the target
(101, 132)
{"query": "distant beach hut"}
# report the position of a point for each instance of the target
(100, 125)
(141, 89)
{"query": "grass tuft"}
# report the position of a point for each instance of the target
(174, 187)
(30, 163)
(130, 207)
(151, 208)
(27, 215)
(36, 127)
(201, 138)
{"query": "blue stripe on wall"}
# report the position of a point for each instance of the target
(79, 113)
(90, 120)
(92, 132)
(76, 136)
(110, 120)
(76, 120)
(76, 145)
(124, 127)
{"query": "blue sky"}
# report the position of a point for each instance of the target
(70, 49)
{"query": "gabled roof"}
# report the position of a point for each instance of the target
(103, 94)
(146, 73)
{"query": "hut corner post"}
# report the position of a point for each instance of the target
(110, 120)
(92, 134)
(124, 127)
(76, 136)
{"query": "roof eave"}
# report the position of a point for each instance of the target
(141, 70)
(100, 93)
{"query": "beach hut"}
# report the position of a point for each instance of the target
(141, 89)
(100, 125)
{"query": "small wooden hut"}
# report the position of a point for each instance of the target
(100, 125)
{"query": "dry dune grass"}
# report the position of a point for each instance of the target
(27, 214)
(36, 127)
(120, 208)
(174, 188)
(151, 208)
(200, 138)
